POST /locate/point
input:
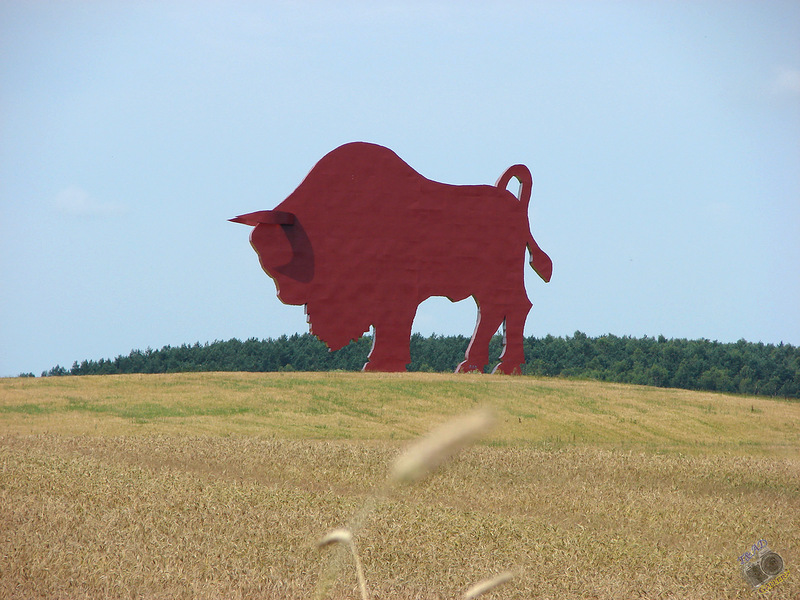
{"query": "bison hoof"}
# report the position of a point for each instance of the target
(384, 367)
(508, 368)
(469, 367)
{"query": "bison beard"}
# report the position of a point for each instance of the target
(364, 239)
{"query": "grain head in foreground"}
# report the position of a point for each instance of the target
(343, 536)
(439, 445)
(416, 462)
(487, 585)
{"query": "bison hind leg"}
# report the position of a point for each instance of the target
(513, 355)
(490, 317)
(477, 355)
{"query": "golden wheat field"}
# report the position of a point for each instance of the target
(222, 485)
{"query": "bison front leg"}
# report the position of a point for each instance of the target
(391, 343)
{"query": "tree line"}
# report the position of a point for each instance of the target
(741, 367)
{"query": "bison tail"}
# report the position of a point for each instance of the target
(523, 175)
(540, 262)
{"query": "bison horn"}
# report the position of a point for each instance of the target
(269, 217)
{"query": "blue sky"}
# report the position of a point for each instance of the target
(663, 137)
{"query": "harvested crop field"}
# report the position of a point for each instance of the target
(221, 485)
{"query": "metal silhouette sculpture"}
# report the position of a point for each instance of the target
(364, 239)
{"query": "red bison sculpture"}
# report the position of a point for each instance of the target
(364, 239)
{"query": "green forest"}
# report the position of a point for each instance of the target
(741, 367)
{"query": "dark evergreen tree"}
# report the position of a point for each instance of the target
(743, 367)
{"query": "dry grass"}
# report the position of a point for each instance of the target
(531, 411)
(222, 485)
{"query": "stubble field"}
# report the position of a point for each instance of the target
(221, 485)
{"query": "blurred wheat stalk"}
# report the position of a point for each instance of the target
(419, 459)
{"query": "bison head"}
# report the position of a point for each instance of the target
(284, 251)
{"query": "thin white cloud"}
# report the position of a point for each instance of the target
(77, 202)
(787, 81)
